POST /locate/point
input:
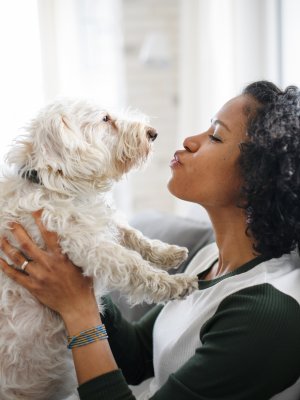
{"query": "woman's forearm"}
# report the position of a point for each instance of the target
(93, 359)
(96, 369)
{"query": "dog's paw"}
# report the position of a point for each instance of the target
(175, 256)
(185, 285)
(161, 287)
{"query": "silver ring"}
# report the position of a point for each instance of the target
(24, 265)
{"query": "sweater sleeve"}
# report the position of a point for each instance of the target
(131, 342)
(250, 350)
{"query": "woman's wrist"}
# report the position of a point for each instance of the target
(79, 319)
(94, 357)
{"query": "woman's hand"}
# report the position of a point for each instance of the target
(50, 276)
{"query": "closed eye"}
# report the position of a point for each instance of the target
(214, 138)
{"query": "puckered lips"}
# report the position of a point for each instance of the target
(175, 162)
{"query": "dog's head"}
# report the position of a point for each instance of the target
(77, 146)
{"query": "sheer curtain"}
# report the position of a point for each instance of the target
(82, 49)
(21, 90)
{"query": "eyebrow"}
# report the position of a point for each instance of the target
(218, 121)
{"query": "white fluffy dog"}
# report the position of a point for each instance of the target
(66, 164)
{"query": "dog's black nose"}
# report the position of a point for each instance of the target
(151, 134)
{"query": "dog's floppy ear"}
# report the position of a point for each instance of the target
(59, 152)
(70, 134)
(55, 143)
(65, 158)
(50, 143)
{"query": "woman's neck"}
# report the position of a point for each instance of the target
(235, 246)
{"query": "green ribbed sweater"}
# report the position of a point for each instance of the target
(237, 337)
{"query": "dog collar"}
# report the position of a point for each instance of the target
(32, 176)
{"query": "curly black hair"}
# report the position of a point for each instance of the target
(270, 166)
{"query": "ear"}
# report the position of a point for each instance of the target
(55, 147)
(47, 144)
(77, 157)
(56, 142)
(70, 135)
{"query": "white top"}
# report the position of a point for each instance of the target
(177, 331)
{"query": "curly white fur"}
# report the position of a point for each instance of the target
(76, 151)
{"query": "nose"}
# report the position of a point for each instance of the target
(192, 143)
(151, 134)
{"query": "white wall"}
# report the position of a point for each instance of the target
(151, 36)
(290, 43)
(82, 50)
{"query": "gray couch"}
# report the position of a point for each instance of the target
(171, 229)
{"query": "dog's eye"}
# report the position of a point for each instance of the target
(106, 118)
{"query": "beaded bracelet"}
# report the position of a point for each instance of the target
(88, 336)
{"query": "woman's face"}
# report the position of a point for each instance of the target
(207, 171)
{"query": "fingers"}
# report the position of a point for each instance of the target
(17, 258)
(13, 254)
(15, 274)
(26, 244)
(50, 238)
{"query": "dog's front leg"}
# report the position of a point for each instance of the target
(161, 254)
(125, 270)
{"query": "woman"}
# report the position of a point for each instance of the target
(238, 336)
